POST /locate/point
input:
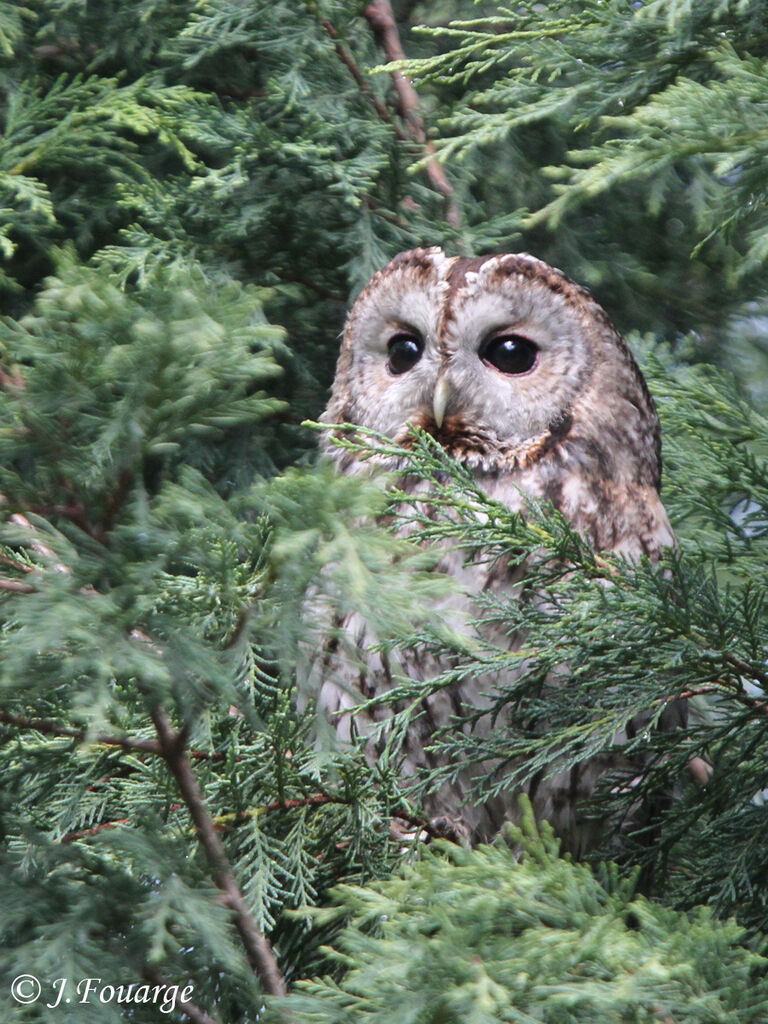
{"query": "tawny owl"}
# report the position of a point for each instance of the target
(521, 376)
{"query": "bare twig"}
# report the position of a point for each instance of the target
(380, 17)
(258, 949)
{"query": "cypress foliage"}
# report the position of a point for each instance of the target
(484, 936)
(175, 180)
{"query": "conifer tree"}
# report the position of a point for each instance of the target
(483, 936)
(176, 180)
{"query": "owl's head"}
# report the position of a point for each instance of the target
(503, 359)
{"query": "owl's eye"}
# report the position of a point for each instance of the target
(404, 352)
(510, 353)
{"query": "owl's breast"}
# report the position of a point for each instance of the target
(614, 507)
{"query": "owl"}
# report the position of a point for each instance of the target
(520, 375)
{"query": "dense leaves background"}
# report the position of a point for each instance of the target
(178, 178)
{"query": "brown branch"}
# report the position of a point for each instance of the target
(392, 218)
(74, 513)
(318, 799)
(71, 837)
(699, 691)
(349, 63)
(104, 826)
(17, 587)
(211, 755)
(116, 501)
(380, 17)
(318, 289)
(49, 727)
(745, 669)
(724, 690)
(258, 949)
(423, 824)
(195, 1013)
(21, 566)
(11, 381)
(223, 821)
(18, 519)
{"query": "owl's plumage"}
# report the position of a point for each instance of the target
(521, 376)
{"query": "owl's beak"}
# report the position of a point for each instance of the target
(440, 400)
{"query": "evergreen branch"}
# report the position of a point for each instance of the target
(349, 63)
(258, 949)
(74, 513)
(390, 218)
(380, 17)
(223, 821)
(49, 727)
(318, 800)
(195, 1013)
(318, 289)
(17, 587)
(116, 501)
(72, 837)
(749, 670)
(21, 566)
(11, 381)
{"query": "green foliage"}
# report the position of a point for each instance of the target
(240, 135)
(175, 179)
(144, 562)
(487, 936)
(600, 111)
(596, 625)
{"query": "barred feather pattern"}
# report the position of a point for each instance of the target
(577, 427)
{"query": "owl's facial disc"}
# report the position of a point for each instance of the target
(502, 358)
